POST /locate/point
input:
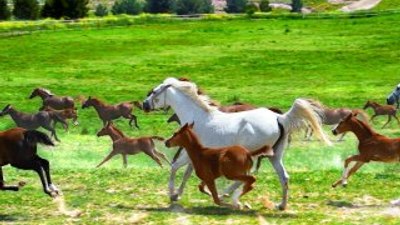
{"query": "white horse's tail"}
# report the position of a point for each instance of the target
(301, 113)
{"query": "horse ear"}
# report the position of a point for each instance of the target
(349, 116)
(191, 125)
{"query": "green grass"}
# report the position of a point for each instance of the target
(340, 62)
(388, 4)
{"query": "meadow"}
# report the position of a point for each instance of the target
(340, 62)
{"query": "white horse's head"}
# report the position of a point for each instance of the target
(394, 96)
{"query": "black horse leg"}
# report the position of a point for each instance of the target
(53, 132)
(2, 186)
(46, 166)
(133, 118)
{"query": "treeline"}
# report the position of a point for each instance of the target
(75, 9)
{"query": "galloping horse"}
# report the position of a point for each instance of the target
(33, 121)
(381, 110)
(251, 129)
(331, 116)
(107, 113)
(49, 99)
(18, 147)
(372, 146)
(394, 97)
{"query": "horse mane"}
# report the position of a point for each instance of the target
(46, 91)
(118, 131)
(97, 101)
(316, 103)
(190, 90)
(365, 126)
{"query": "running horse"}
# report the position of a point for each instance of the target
(18, 147)
(251, 129)
(49, 99)
(394, 97)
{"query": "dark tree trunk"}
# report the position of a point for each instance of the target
(297, 5)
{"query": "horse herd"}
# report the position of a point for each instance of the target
(218, 140)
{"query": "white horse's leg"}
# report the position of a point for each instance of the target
(277, 163)
(231, 188)
(182, 160)
(235, 197)
(186, 175)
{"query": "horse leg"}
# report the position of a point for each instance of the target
(355, 168)
(211, 186)
(201, 188)
(186, 175)
(398, 121)
(161, 155)
(53, 132)
(343, 179)
(46, 166)
(125, 160)
(248, 181)
(108, 157)
(4, 187)
(153, 155)
(182, 160)
(133, 118)
(389, 119)
(372, 118)
(283, 178)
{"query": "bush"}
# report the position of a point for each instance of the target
(251, 8)
(297, 5)
(26, 9)
(236, 6)
(131, 7)
(264, 6)
(4, 10)
(101, 10)
(188, 7)
(159, 6)
(69, 9)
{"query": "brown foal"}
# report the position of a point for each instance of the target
(70, 113)
(232, 162)
(130, 146)
(49, 99)
(380, 110)
(107, 113)
(372, 146)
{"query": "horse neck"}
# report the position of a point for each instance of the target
(192, 144)
(43, 95)
(375, 105)
(361, 130)
(116, 134)
(184, 107)
(99, 105)
(15, 115)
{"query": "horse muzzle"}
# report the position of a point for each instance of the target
(334, 132)
(146, 106)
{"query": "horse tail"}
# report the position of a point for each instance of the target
(157, 138)
(32, 137)
(264, 150)
(302, 112)
(364, 116)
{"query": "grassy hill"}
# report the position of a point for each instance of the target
(340, 62)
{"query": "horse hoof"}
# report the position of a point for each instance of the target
(21, 184)
(247, 206)
(281, 207)
(174, 198)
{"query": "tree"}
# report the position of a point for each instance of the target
(4, 10)
(187, 7)
(131, 7)
(101, 10)
(264, 6)
(236, 6)
(159, 6)
(70, 9)
(297, 5)
(26, 9)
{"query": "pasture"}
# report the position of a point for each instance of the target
(341, 62)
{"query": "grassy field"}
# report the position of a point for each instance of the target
(265, 62)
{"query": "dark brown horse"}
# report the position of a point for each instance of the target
(382, 110)
(129, 146)
(108, 113)
(372, 146)
(233, 163)
(18, 147)
(65, 114)
(49, 99)
(34, 121)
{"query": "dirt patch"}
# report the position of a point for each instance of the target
(360, 5)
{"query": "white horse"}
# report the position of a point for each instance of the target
(251, 129)
(394, 97)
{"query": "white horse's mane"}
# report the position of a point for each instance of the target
(190, 90)
(46, 91)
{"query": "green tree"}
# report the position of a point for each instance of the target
(4, 10)
(159, 6)
(26, 9)
(131, 7)
(69, 9)
(101, 10)
(236, 6)
(264, 6)
(297, 5)
(188, 7)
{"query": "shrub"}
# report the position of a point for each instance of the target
(69, 9)
(264, 6)
(159, 6)
(4, 10)
(101, 10)
(297, 5)
(235, 6)
(131, 7)
(26, 9)
(251, 8)
(188, 7)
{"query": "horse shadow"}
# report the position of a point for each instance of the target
(7, 218)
